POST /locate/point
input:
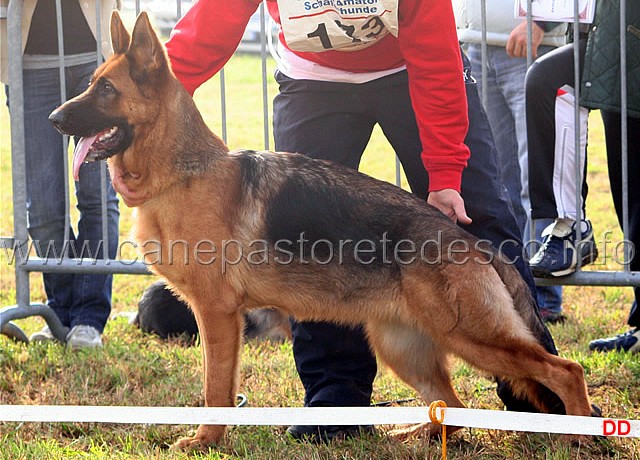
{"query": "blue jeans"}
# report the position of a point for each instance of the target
(76, 298)
(335, 363)
(549, 297)
(505, 108)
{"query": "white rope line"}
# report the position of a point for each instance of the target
(541, 423)
(472, 418)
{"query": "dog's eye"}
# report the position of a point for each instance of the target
(105, 87)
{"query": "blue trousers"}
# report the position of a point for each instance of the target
(505, 107)
(76, 298)
(334, 121)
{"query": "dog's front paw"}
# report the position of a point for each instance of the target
(189, 443)
(205, 437)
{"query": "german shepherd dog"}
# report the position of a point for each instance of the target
(318, 241)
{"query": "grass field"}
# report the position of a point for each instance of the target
(138, 370)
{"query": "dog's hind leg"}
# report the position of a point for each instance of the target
(478, 322)
(522, 361)
(418, 361)
(510, 352)
(221, 337)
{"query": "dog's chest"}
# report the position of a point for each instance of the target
(147, 227)
(177, 234)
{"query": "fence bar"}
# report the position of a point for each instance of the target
(594, 278)
(104, 176)
(91, 266)
(484, 52)
(63, 97)
(580, 174)
(623, 130)
(18, 162)
(529, 34)
(265, 93)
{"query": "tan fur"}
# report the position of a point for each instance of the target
(187, 186)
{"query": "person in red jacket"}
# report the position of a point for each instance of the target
(342, 68)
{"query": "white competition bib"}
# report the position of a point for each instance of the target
(345, 25)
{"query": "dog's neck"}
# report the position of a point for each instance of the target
(197, 147)
(180, 147)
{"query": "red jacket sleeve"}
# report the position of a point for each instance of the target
(206, 37)
(429, 44)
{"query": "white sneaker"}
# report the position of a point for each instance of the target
(44, 335)
(83, 336)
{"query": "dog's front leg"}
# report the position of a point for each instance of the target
(220, 336)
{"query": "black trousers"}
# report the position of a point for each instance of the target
(334, 121)
(545, 76)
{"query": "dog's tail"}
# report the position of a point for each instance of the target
(525, 395)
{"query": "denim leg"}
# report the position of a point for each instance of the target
(634, 314)
(549, 297)
(485, 197)
(505, 112)
(45, 181)
(335, 364)
(46, 198)
(91, 303)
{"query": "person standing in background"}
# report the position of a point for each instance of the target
(599, 46)
(81, 301)
(504, 102)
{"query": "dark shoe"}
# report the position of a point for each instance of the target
(558, 255)
(629, 341)
(326, 433)
(552, 317)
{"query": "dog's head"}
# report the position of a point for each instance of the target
(122, 95)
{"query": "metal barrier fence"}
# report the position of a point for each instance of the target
(27, 263)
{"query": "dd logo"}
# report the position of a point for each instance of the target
(616, 427)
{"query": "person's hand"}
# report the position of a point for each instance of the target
(450, 203)
(517, 41)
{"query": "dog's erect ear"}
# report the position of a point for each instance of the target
(119, 36)
(146, 53)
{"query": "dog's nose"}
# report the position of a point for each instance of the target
(57, 117)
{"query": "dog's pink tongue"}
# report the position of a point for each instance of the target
(80, 153)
